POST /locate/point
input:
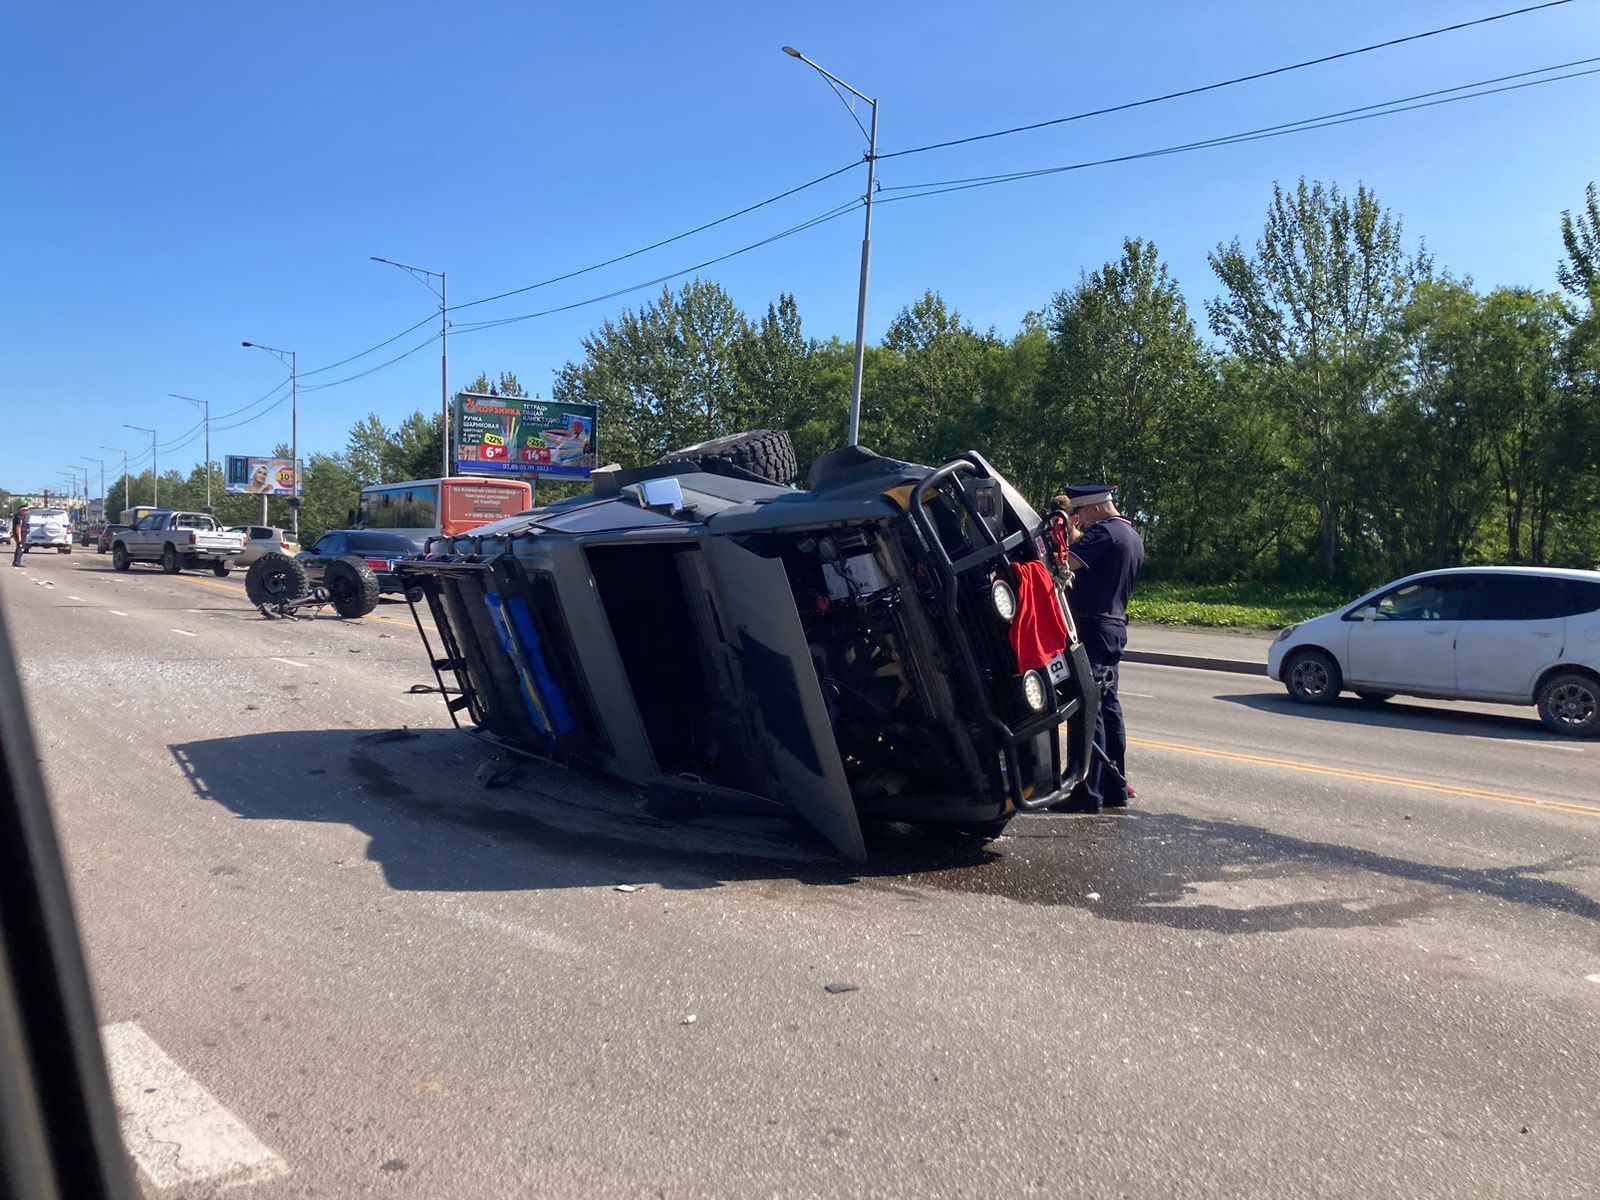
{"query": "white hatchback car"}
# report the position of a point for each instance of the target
(1515, 635)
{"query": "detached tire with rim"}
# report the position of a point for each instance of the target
(352, 586)
(274, 578)
(1313, 677)
(1569, 704)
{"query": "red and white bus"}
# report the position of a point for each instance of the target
(425, 508)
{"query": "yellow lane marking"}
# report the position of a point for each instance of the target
(1447, 789)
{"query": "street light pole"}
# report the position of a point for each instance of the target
(866, 236)
(290, 357)
(155, 475)
(126, 482)
(425, 277)
(205, 406)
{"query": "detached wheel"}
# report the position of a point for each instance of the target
(352, 586)
(119, 558)
(768, 453)
(220, 568)
(274, 578)
(170, 562)
(1569, 704)
(1313, 677)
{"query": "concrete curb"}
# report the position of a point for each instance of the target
(1198, 661)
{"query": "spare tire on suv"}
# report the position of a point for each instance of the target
(768, 453)
(352, 586)
(274, 578)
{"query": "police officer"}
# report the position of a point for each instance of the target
(1106, 556)
(19, 534)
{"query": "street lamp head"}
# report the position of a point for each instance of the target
(792, 52)
(247, 343)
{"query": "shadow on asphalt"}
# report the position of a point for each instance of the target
(434, 826)
(1396, 714)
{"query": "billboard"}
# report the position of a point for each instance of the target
(262, 476)
(518, 436)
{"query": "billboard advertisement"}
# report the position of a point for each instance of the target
(262, 476)
(519, 436)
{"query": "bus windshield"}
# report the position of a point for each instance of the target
(423, 508)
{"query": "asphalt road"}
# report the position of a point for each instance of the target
(1349, 952)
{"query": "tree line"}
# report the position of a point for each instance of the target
(1350, 409)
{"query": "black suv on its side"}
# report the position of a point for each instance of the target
(889, 644)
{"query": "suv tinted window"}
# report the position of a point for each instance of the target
(261, 531)
(329, 543)
(1513, 598)
(1579, 596)
(381, 543)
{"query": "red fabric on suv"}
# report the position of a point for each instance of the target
(1039, 632)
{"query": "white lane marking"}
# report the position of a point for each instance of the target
(1593, 978)
(115, 613)
(79, 599)
(289, 661)
(185, 632)
(175, 1129)
(1136, 695)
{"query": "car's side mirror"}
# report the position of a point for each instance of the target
(1369, 613)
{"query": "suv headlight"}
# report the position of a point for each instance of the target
(1035, 691)
(1005, 600)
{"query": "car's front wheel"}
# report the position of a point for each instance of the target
(1313, 677)
(1569, 704)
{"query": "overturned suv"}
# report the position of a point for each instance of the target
(889, 644)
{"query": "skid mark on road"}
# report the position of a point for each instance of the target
(1565, 806)
(173, 1127)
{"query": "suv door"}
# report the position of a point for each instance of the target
(1513, 627)
(1408, 644)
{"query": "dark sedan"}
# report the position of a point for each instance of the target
(379, 548)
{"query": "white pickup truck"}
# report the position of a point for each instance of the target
(177, 540)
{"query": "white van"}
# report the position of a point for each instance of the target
(49, 527)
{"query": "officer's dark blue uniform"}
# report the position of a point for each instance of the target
(1109, 558)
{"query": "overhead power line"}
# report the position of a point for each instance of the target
(677, 237)
(1348, 116)
(1225, 83)
(830, 215)
(318, 387)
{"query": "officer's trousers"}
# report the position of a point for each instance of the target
(1104, 642)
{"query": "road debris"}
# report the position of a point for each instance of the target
(838, 989)
(626, 887)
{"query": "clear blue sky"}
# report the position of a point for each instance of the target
(179, 177)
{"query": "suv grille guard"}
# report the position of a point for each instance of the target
(949, 572)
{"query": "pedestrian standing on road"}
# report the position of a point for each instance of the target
(1106, 557)
(19, 533)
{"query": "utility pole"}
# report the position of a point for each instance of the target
(291, 357)
(102, 463)
(205, 406)
(425, 277)
(866, 237)
(155, 475)
(126, 482)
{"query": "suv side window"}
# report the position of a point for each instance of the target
(329, 544)
(1579, 596)
(1440, 598)
(1513, 598)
